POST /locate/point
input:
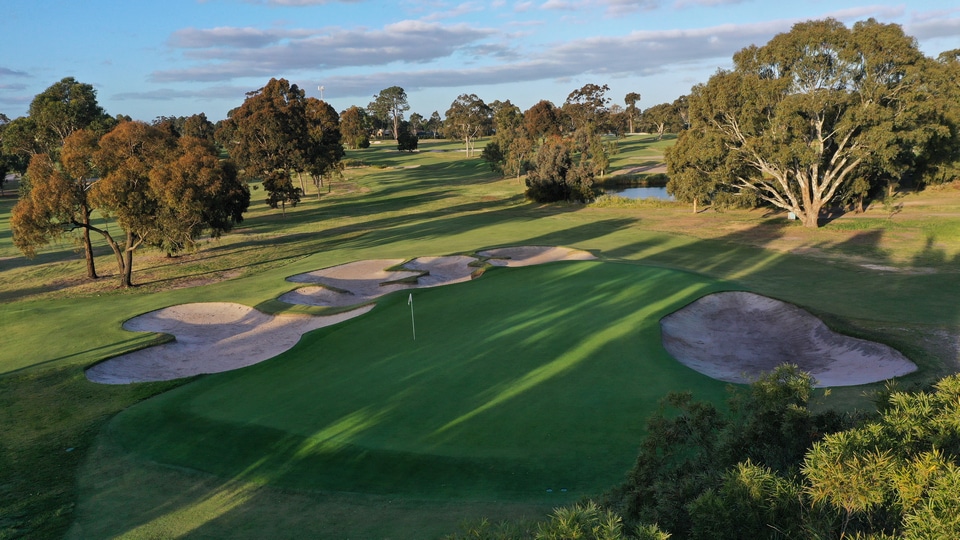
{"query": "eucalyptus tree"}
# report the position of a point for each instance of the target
(435, 123)
(389, 105)
(20, 143)
(662, 118)
(56, 201)
(65, 107)
(555, 175)
(467, 118)
(354, 128)
(268, 136)
(510, 148)
(542, 120)
(417, 121)
(163, 191)
(199, 126)
(5, 160)
(703, 169)
(324, 154)
(817, 107)
(632, 111)
(587, 107)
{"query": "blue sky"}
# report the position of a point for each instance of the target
(179, 57)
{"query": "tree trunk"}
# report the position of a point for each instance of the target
(811, 216)
(303, 187)
(88, 245)
(126, 268)
(694, 205)
(126, 278)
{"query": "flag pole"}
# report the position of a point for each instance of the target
(412, 321)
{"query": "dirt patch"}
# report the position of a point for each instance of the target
(737, 336)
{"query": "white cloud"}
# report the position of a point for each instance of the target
(7, 72)
(222, 56)
(926, 27)
(167, 94)
(224, 36)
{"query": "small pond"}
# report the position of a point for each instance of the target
(641, 193)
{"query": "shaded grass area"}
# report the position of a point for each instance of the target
(538, 386)
(50, 420)
(187, 503)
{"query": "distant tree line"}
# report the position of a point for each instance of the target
(822, 117)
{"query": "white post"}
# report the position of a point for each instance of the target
(412, 321)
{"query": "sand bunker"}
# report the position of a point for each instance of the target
(210, 338)
(529, 255)
(220, 336)
(363, 281)
(736, 336)
(731, 336)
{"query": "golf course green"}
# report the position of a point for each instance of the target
(519, 382)
(527, 383)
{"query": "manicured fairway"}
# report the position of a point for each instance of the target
(523, 381)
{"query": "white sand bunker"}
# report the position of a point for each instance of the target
(736, 336)
(530, 255)
(220, 336)
(363, 281)
(210, 338)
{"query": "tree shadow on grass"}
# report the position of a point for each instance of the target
(868, 301)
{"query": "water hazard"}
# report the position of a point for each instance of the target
(641, 193)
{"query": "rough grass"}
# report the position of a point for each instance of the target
(882, 275)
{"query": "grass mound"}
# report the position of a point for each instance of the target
(526, 384)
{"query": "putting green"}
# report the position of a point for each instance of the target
(527, 383)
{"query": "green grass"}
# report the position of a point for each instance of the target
(55, 323)
(537, 385)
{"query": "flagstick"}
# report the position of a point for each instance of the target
(412, 321)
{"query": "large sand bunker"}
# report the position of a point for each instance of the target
(736, 336)
(209, 338)
(220, 336)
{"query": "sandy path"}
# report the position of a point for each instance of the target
(210, 338)
(736, 336)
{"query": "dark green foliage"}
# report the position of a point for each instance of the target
(750, 502)
(63, 108)
(407, 140)
(692, 446)
(280, 190)
(494, 156)
(556, 178)
(769, 468)
(388, 107)
(898, 474)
